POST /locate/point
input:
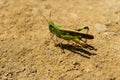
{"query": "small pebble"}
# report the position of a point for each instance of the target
(47, 42)
(75, 63)
(101, 27)
(23, 75)
(51, 53)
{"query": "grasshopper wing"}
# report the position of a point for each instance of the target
(76, 33)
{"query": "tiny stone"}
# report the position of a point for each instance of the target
(22, 75)
(3, 78)
(47, 42)
(75, 63)
(101, 27)
(51, 53)
(49, 70)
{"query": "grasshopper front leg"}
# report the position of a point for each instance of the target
(55, 40)
(52, 36)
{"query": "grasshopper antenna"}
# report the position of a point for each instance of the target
(50, 15)
(45, 19)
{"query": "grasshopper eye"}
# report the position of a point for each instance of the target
(51, 26)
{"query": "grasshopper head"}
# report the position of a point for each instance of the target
(53, 27)
(51, 24)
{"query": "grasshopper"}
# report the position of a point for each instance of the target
(68, 34)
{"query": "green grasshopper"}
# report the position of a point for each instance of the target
(68, 34)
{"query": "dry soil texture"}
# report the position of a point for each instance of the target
(28, 53)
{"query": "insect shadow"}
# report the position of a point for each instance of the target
(84, 52)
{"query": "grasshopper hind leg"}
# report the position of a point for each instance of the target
(83, 28)
(87, 28)
(82, 43)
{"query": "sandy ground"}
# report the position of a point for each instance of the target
(28, 53)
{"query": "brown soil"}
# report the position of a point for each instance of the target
(28, 53)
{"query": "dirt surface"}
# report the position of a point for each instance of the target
(28, 53)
